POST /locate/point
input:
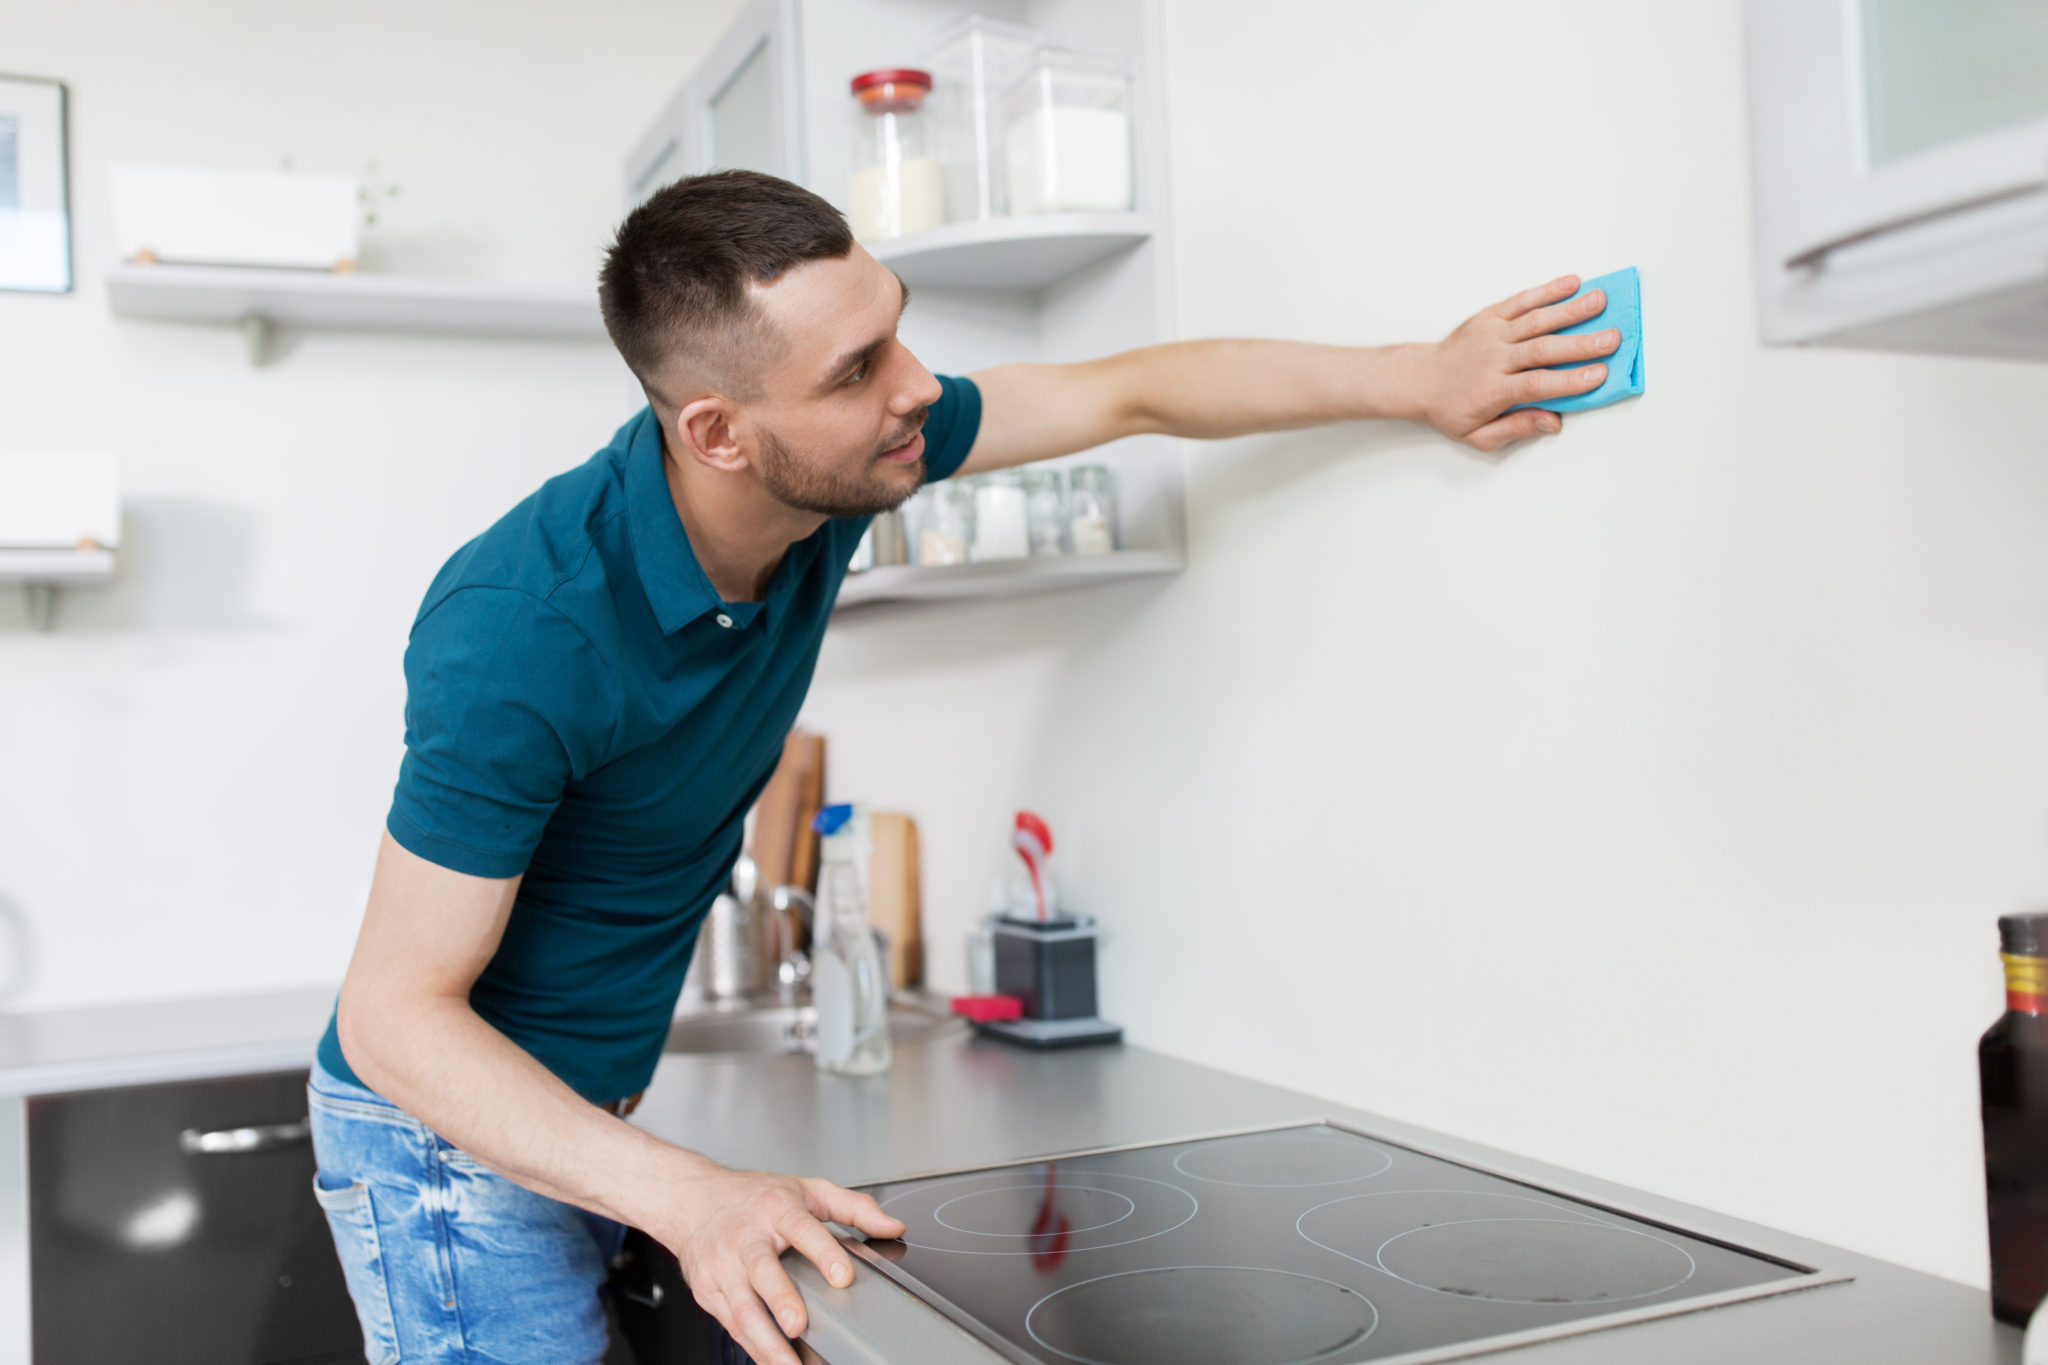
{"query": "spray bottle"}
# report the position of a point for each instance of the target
(848, 984)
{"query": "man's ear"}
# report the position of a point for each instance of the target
(705, 431)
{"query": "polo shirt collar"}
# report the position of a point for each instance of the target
(675, 583)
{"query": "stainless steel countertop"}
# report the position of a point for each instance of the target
(170, 1040)
(956, 1100)
(953, 1101)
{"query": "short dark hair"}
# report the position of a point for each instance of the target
(674, 283)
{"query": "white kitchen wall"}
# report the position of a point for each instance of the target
(1642, 802)
(193, 765)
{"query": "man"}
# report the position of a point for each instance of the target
(598, 688)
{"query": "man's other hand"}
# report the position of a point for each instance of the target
(729, 1231)
(1500, 357)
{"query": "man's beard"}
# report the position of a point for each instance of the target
(793, 482)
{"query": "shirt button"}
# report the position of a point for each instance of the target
(725, 620)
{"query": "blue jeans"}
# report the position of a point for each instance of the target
(448, 1261)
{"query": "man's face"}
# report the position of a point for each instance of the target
(838, 424)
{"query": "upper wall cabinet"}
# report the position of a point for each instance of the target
(1900, 156)
(741, 109)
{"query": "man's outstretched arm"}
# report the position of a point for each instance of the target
(1463, 385)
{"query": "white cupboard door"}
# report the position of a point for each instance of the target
(1874, 117)
(741, 109)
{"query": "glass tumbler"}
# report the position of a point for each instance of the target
(1091, 509)
(1045, 511)
(944, 535)
(1001, 530)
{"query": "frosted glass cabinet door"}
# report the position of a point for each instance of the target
(1937, 71)
(1870, 113)
(739, 110)
(1899, 150)
(743, 118)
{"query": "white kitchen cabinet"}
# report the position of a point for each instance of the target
(1045, 287)
(1899, 151)
(741, 109)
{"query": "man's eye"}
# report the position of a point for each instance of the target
(860, 372)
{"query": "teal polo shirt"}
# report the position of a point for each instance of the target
(582, 708)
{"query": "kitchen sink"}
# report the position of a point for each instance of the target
(769, 1029)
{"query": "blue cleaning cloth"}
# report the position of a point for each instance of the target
(1625, 367)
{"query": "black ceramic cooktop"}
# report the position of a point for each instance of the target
(1312, 1243)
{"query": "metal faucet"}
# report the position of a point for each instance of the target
(794, 969)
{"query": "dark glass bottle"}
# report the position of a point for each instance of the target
(2012, 1066)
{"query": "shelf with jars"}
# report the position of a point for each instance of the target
(1009, 533)
(996, 163)
(1001, 578)
(1012, 169)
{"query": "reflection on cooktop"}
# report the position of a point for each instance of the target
(1038, 1211)
(994, 1213)
(1311, 1243)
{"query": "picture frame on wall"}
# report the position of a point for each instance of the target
(35, 192)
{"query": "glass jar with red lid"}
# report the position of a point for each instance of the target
(897, 186)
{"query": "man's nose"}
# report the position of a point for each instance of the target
(921, 391)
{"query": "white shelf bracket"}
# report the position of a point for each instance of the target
(256, 335)
(42, 604)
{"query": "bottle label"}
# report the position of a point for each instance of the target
(832, 993)
(2026, 984)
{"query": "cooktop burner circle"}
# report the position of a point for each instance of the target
(1536, 1261)
(1072, 1197)
(1284, 1160)
(1202, 1315)
(1039, 1212)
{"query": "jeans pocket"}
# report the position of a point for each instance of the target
(354, 1224)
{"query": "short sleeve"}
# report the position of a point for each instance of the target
(950, 427)
(506, 703)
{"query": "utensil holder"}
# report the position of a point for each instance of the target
(1049, 965)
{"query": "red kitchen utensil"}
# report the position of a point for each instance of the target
(988, 1009)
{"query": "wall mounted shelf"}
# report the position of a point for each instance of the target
(60, 524)
(57, 567)
(1010, 253)
(1000, 578)
(259, 300)
(40, 572)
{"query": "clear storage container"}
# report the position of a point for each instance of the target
(1001, 528)
(1045, 511)
(897, 185)
(972, 62)
(946, 527)
(1091, 508)
(1067, 134)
